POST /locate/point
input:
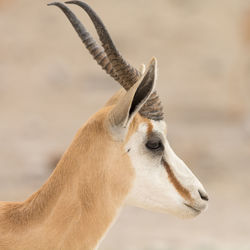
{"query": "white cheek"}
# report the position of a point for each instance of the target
(151, 189)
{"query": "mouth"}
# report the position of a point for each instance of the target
(196, 210)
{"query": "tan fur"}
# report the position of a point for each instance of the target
(74, 208)
(77, 204)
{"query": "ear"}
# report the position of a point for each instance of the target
(129, 104)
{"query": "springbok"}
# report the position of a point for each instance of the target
(120, 156)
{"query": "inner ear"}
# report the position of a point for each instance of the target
(144, 90)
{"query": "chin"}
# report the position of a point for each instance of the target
(177, 208)
(181, 211)
(186, 212)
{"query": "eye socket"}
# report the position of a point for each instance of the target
(154, 144)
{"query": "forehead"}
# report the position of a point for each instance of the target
(153, 126)
(145, 127)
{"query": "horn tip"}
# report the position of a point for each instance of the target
(53, 3)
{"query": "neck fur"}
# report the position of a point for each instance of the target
(75, 207)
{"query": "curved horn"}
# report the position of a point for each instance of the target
(110, 59)
(128, 75)
(95, 50)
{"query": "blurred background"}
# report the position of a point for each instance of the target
(50, 85)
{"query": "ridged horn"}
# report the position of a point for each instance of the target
(110, 59)
(128, 75)
(94, 49)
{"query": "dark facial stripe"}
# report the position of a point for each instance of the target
(180, 189)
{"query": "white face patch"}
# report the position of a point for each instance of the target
(176, 191)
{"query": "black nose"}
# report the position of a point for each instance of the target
(203, 195)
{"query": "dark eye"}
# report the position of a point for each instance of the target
(154, 145)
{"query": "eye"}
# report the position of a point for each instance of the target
(154, 144)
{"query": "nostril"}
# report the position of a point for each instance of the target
(203, 195)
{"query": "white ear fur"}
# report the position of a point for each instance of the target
(142, 68)
(124, 111)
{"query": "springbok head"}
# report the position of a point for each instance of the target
(135, 121)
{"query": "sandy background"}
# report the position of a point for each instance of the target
(49, 86)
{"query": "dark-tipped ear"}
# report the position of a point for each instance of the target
(124, 111)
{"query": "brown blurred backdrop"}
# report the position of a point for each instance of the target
(49, 85)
